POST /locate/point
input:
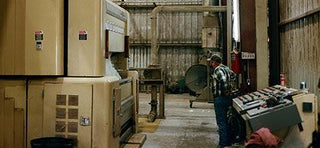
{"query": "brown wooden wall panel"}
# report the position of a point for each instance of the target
(175, 60)
(248, 41)
(300, 43)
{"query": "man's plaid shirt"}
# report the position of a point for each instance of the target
(222, 80)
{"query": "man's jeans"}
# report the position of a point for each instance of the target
(221, 104)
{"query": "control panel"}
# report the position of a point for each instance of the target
(271, 107)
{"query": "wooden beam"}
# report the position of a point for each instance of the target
(148, 6)
(167, 44)
(301, 16)
(229, 31)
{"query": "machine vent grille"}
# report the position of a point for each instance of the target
(67, 116)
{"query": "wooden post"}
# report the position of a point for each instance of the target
(161, 102)
(154, 93)
(229, 31)
(137, 95)
(153, 112)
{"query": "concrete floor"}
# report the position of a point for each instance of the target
(183, 127)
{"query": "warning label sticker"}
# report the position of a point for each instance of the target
(83, 35)
(38, 35)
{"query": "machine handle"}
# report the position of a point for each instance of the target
(116, 112)
(84, 121)
(106, 52)
(126, 46)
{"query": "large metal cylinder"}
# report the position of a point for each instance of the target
(196, 77)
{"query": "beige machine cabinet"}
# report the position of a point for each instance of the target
(67, 112)
(135, 92)
(95, 29)
(115, 19)
(12, 113)
(44, 37)
(308, 110)
(79, 108)
(31, 39)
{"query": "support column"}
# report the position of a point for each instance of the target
(154, 102)
(248, 43)
(262, 53)
(161, 102)
(274, 43)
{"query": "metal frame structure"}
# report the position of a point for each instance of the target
(158, 9)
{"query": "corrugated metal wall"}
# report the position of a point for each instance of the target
(177, 60)
(180, 27)
(173, 28)
(300, 43)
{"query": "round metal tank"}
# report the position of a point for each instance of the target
(196, 77)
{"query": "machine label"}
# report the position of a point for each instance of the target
(38, 35)
(83, 35)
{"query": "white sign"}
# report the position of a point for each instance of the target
(248, 55)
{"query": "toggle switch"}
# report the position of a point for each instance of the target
(39, 45)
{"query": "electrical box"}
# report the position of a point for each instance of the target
(210, 31)
(31, 39)
(210, 36)
(12, 113)
(309, 115)
(96, 29)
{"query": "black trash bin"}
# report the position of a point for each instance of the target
(52, 142)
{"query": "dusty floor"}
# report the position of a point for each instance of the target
(183, 127)
(195, 127)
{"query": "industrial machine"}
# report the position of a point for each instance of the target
(96, 30)
(264, 107)
(307, 105)
(68, 78)
(277, 108)
(153, 76)
(96, 112)
(13, 113)
(69, 107)
(197, 80)
(197, 76)
(30, 43)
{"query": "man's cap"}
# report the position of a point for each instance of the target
(215, 57)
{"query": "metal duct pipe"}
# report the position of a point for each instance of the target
(154, 26)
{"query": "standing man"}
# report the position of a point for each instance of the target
(222, 86)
